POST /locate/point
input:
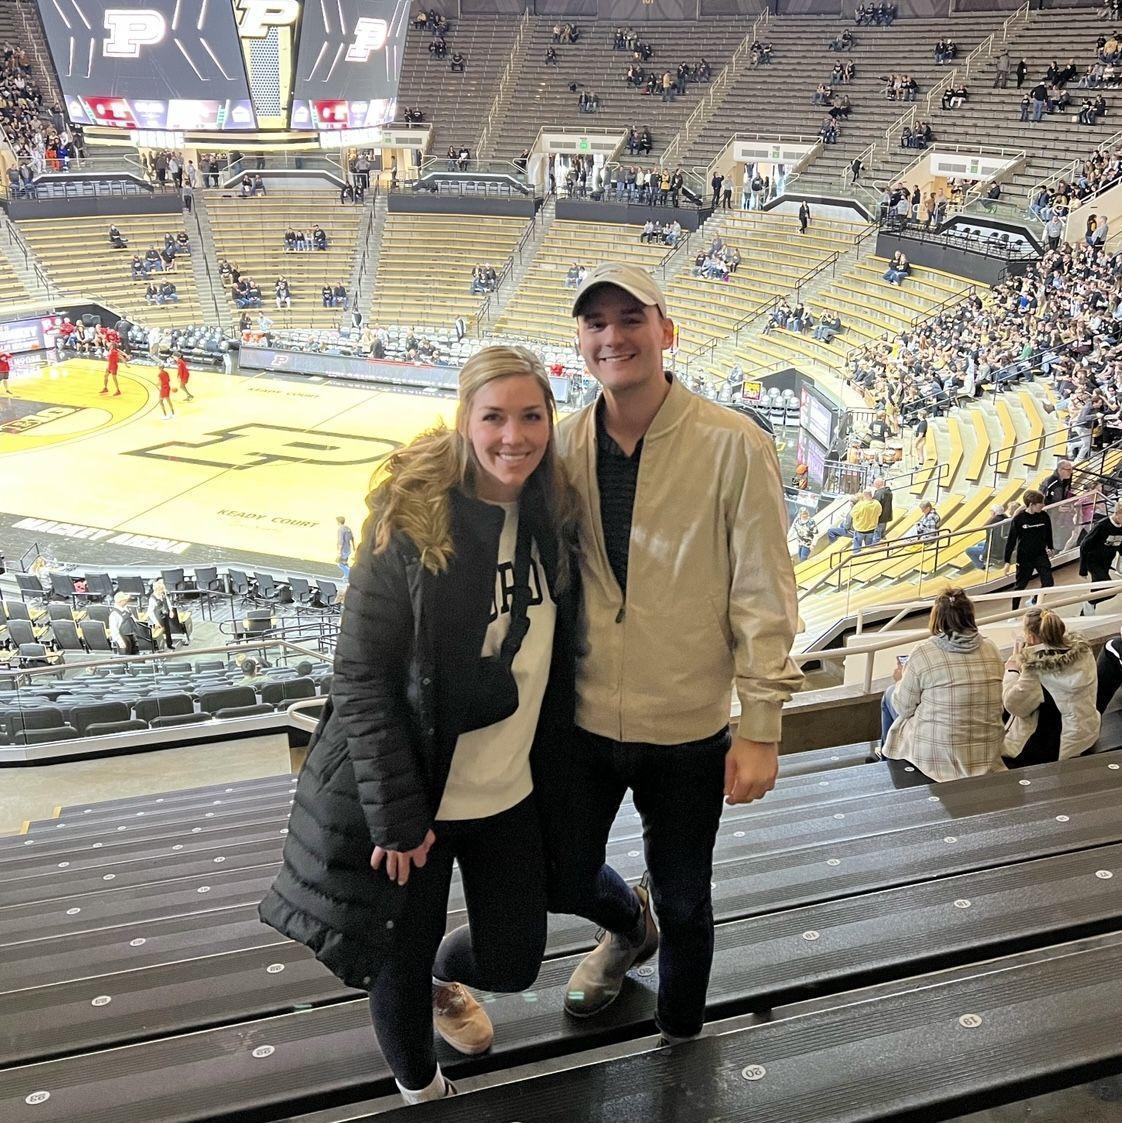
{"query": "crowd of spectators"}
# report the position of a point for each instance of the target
(954, 96)
(957, 709)
(718, 262)
(1063, 319)
(153, 260)
(575, 275)
(759, 53)
(40, 137)
(638, 140)
(251, 186)
(657, 187)
(946, 50)
(333, 296)
(484, 278)
(244, 291)
(874, 15)
(299, 241)
(163, 293)
(1099, 171)
(918, 135)
(659, 233)
(900, 87)
(791, 317)
(669, 85)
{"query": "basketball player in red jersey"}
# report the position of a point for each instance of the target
(183, 373)
(5, 370)
(164, 382)
(112, 362)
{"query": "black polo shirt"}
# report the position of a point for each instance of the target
(617, 476)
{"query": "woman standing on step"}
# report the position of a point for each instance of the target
(454, 664)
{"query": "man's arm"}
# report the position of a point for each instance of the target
(762, 614)
(1011, 541)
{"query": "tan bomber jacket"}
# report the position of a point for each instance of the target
(710, 587)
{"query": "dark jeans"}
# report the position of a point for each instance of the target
(499, 949)
(678, 791)
(1024, 573)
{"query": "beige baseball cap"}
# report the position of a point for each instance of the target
(631, 278)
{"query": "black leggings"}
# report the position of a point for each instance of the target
(1025, 570)
(499, 949)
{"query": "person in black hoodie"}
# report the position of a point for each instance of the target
(1098, 551)
(1030, 537)
(452, 695)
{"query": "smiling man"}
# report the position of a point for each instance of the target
(687, 587)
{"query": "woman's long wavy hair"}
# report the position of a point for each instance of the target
(410, 490)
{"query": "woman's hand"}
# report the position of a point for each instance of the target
(399, 862)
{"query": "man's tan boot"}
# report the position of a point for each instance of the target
(596, 983)
(460, 1020)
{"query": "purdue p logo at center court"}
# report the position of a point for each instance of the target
(256, 445)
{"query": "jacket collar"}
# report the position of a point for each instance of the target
(669, 416)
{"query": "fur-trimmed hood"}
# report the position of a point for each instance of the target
(1070, 677)
(1054, 660)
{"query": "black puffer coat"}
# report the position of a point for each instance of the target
(409, 641)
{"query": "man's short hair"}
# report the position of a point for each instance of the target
(249, 666)
(1032, 496)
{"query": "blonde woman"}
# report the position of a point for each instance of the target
(454, 664)
(1049, 690)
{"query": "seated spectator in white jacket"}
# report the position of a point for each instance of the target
(1049, 691)
(942, 716)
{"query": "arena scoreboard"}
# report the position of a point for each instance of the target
(219, 65)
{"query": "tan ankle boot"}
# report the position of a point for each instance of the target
(460, 1020)
(596, 983)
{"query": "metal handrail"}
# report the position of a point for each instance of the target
(960, 72)
(483, 313)
(504, 82)
(368, 228)
(938, 543)
(295, 713)
(863, 474)
(1021, 14)
(710, 345)
(158, 657)
(673, 151)
(1068, 173)
(672, 253)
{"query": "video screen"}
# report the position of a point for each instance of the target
(335, 113)
(151, 113)
(349, 64)
(159, 64)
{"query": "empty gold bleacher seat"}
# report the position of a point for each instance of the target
(249, 233)
(425, 263)
(102, 273)
(540, 306)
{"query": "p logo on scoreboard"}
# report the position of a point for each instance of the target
(131, 29)
(370, 36)
(257, 17)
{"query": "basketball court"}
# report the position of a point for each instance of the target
(259, 465)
